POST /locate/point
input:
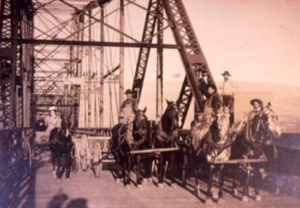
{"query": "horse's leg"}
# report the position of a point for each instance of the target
(119, 169)
(138, 171)
(172, 168)
(68, 165)
(258, 178)
(246, 181)
(127, 171)
(148, 170)
(161, 170)
(196, 172)
(209, 169)
(235, 171)
(221, 183)
(54, 163)
(184, 167)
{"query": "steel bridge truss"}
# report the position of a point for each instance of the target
(38, 75)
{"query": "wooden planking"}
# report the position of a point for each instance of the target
(83, 188)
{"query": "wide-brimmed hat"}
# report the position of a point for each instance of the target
(259, 101)
(226, 73)
(52, 108)
(128, 91)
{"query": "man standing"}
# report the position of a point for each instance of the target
(128, 108)
(227, 90)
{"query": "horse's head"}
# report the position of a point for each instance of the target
(141, 120)
(171, 113)
(271, 121)
(265, 125)
(223, 121)
(66, 124)
(40, 125)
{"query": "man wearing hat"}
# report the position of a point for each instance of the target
(203, 84)
(128, 108)
(227, 90)
(51, 121)
(213, 100)
(258, 107)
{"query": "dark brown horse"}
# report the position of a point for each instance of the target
(62, 150)
(166, 136)
(124, 140)
(254, 140)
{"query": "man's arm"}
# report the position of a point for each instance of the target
(135, 105)
(221, 88)
(235, 87)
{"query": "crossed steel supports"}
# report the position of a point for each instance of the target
(58, 47)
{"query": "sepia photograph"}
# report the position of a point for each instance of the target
(149, 103)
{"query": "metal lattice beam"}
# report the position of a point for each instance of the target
(144, 53)
(191, 54)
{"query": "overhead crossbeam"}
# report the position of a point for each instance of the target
(144, 45)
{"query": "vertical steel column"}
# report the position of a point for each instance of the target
(101, 69)
(9, 20)
(90, 115)
(159, 76)
(121, 71)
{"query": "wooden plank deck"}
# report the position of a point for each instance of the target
(40, 190)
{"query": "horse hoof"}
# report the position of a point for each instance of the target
(277, 192)
(235, 192)
(173, 185)
(245, 199)
(197, 190)
(257, 198)
(147, 180)
(118, 180)
(208, 201)
(128, 187)
(161, 185)
(140, 186)
(221, 201)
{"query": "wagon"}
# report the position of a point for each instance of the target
(94, 151)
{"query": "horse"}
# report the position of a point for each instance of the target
(62, 150)
(166, 136)
(212, 147)
(254, 141)
(124, 140)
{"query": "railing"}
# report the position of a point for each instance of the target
(15, 146)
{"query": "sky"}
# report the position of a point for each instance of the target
(256, 40)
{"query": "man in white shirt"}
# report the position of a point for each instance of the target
(227, 90)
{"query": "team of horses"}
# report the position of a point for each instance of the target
(218, 143)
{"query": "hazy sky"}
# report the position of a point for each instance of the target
(256, 40)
